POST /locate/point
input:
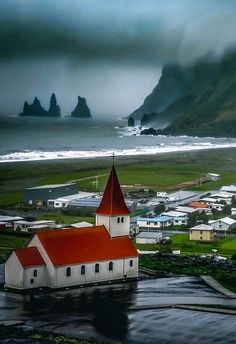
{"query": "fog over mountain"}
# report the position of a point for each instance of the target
(110, 52)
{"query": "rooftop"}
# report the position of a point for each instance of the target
(50, 186)
(173, 213)
(87, 244)
(155, 219)
(29, 256)
(149, 235)
(202, 227)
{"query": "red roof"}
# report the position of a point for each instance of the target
(198, 205)
(82, 245)
(29, 256)
(112, 202)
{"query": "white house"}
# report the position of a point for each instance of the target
(201, 232)
(148, 238)
(233, 211)
(30, 226)
(153, 223)
(75, 256)
(229, 188)
(178, 218)
(213, 176)
(221, 226)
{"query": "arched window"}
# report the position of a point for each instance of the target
(131, 263)
(68, 272)
(122, 219)
(97, 267)
(118, 220)
(83, 270)
(111, 266)
(35, 273)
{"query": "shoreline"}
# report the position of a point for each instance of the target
(120, 154)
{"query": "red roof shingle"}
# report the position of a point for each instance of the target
(82, 245)
(112, 202)
(29, 256)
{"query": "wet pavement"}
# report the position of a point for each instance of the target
(111, 312)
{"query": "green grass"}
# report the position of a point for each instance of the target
(67, 219)
(8, 242)
(159, 173)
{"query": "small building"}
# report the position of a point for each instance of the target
(186, 210)
(153, 223)
(62, 202)
(9, 220)
(81, 224)
(233, 211)
(221, 226)
(148, 238)
(213, 176)
(201, 232)
(178, 218)
(32, 226)
(229, 188)
(39, 195)
(201, 207)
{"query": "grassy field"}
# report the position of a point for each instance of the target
(225, 246)
(8, 242)
(159, 172)
(67, 219)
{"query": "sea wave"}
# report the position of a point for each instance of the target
(38, 155)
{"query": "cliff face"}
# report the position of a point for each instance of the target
(36, 109)
(196, 100)
(81, 110)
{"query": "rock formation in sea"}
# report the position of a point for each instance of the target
(81, 110)
(36, 109)
(54, 109)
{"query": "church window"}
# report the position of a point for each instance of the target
(32, 281)
(122, 219)
(35, 273)
(68, 272)
(131, 263)
(118, 220)
(83, 270)
(111, 266)
(97, 267)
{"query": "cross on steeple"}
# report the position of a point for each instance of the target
(113, 158)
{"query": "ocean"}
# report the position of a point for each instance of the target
(34, 138)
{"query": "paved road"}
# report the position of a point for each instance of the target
(107, 312)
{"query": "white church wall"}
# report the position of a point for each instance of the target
(90, 276)
(50, 269)
(13, 272)
(131, 269)
(34, 277)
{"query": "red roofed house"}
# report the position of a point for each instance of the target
(75, 256)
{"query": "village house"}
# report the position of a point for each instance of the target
(201, 232)
(178, 218)
(221, 226)
(31, 226)
(148, 238)
(153, 223)
(78, 256)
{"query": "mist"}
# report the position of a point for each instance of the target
(111, 53)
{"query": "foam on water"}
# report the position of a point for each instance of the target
(84, 154)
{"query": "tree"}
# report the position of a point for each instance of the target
(159, 208)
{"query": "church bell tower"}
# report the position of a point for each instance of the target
(112, 211)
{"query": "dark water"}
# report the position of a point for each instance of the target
(35, 138)
(111, 313)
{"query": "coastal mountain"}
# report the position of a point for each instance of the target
(81, 110)
(194, 100)
(36, 109)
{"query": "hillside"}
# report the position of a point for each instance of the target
(195, 100)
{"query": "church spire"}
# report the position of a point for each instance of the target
(112, 202)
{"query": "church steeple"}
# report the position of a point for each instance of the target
(112, 202)
(113, 212)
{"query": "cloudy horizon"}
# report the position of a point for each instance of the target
(111, 53)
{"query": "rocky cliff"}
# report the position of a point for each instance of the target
(194, 100)
(81, 110)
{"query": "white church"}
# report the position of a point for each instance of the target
(78, 256)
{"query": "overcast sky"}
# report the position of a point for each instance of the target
(109, 51)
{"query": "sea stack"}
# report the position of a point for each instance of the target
(54, 109)
(81, 110)
(34, 109)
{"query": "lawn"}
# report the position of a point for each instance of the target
(8, 242)
(67, 219)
